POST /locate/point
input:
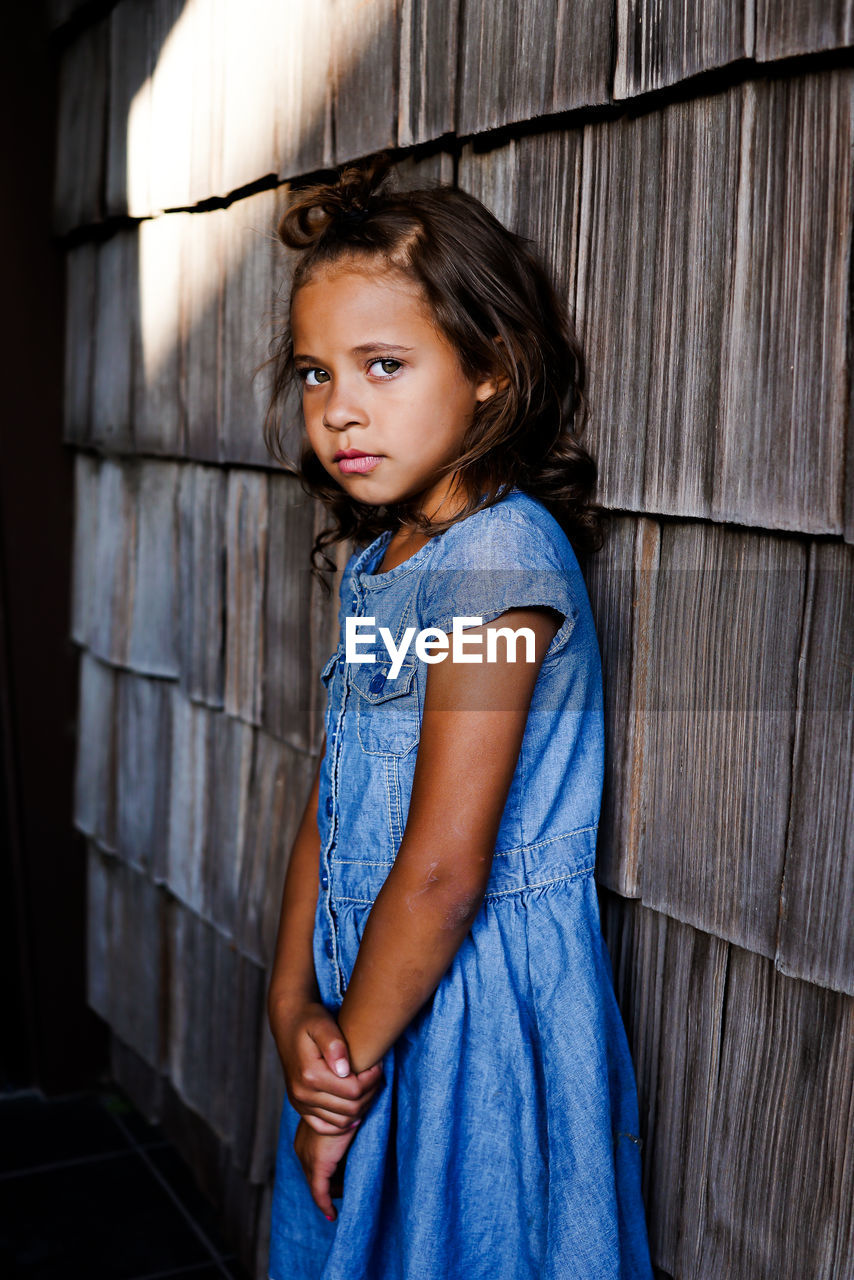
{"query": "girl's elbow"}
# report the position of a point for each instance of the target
(461, 907)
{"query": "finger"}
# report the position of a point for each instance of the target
(330, 1044)
(319, 1186)
(337, 1126)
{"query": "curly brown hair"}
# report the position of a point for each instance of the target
(483, 283)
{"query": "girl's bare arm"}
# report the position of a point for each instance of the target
(472, 729)
(307, 1036)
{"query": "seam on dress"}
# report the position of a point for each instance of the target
(488, 897)
(540, 844)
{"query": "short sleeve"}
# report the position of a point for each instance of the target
(502, 560)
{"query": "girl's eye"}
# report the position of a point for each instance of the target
(308, 378)
(386, 373)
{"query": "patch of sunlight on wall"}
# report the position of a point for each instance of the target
(234, 81)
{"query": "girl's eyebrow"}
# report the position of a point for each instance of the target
(365, 349)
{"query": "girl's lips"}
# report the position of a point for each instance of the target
(359, 466)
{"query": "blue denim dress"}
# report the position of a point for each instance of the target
(503, 1142)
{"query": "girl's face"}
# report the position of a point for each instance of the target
(384, 398)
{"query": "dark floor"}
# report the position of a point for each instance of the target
(88, 1189)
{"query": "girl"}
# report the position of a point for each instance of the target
(460, 1101)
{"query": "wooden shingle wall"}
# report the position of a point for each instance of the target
(686, 171)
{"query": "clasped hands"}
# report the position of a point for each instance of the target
(331, 1102)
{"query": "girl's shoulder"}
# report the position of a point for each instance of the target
(512, 554)
(517, 532)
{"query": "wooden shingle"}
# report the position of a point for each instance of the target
(815, 938)
(80, 304)
(189, 800)
(784, 402)
(720, 728)
(249, 305)
(252, 33)
(95, 776)
(158, 388)
(86, 500)
(201, 594)
(124, 972)
(153, 640)
(202, 284)
(279, 788)
(520, 61)
(621, 581)
(670, 982)
(785, 28)
(129, 158)
(287, 648)
(650, 298)
(658, 45)
(143, 772)
(81, 129)
(429, 33)
(364, 57)
(303, 89)
(116, 341)
(246, 542)
(114, 564)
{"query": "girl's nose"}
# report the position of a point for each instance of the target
(342, 407)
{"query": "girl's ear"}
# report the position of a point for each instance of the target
(497, 381)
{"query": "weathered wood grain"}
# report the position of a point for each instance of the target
(153, 640)
(364, 62)
(815, 939)
(287, 642)
(720, 728)
(201, 595)
(158, 385)
(124, 972)
(86, 496)
(252, 41)
(778, 1187)
(429, 33)
(202, 283)
(656, 228)
(280, 783)
(128, 162)
(189, 800)
(533, 186)
(95, 776)
(520, 61)
(81, 129)
(207, 1055)
(745, 1088)
(80, 302)
(246, 541)
(270, 1099)
(303, 88)
(114, 562)
(170, 129)
(658, 45)
(785, 28)
(785, 389)
(143, 773)
(670, 982)
(251, 259)
(622, 580)
(116, 340)
(231, 744)
(209, 61)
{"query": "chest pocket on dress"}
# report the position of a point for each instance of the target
(386, 708)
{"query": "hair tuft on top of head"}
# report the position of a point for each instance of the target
(334, 207)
